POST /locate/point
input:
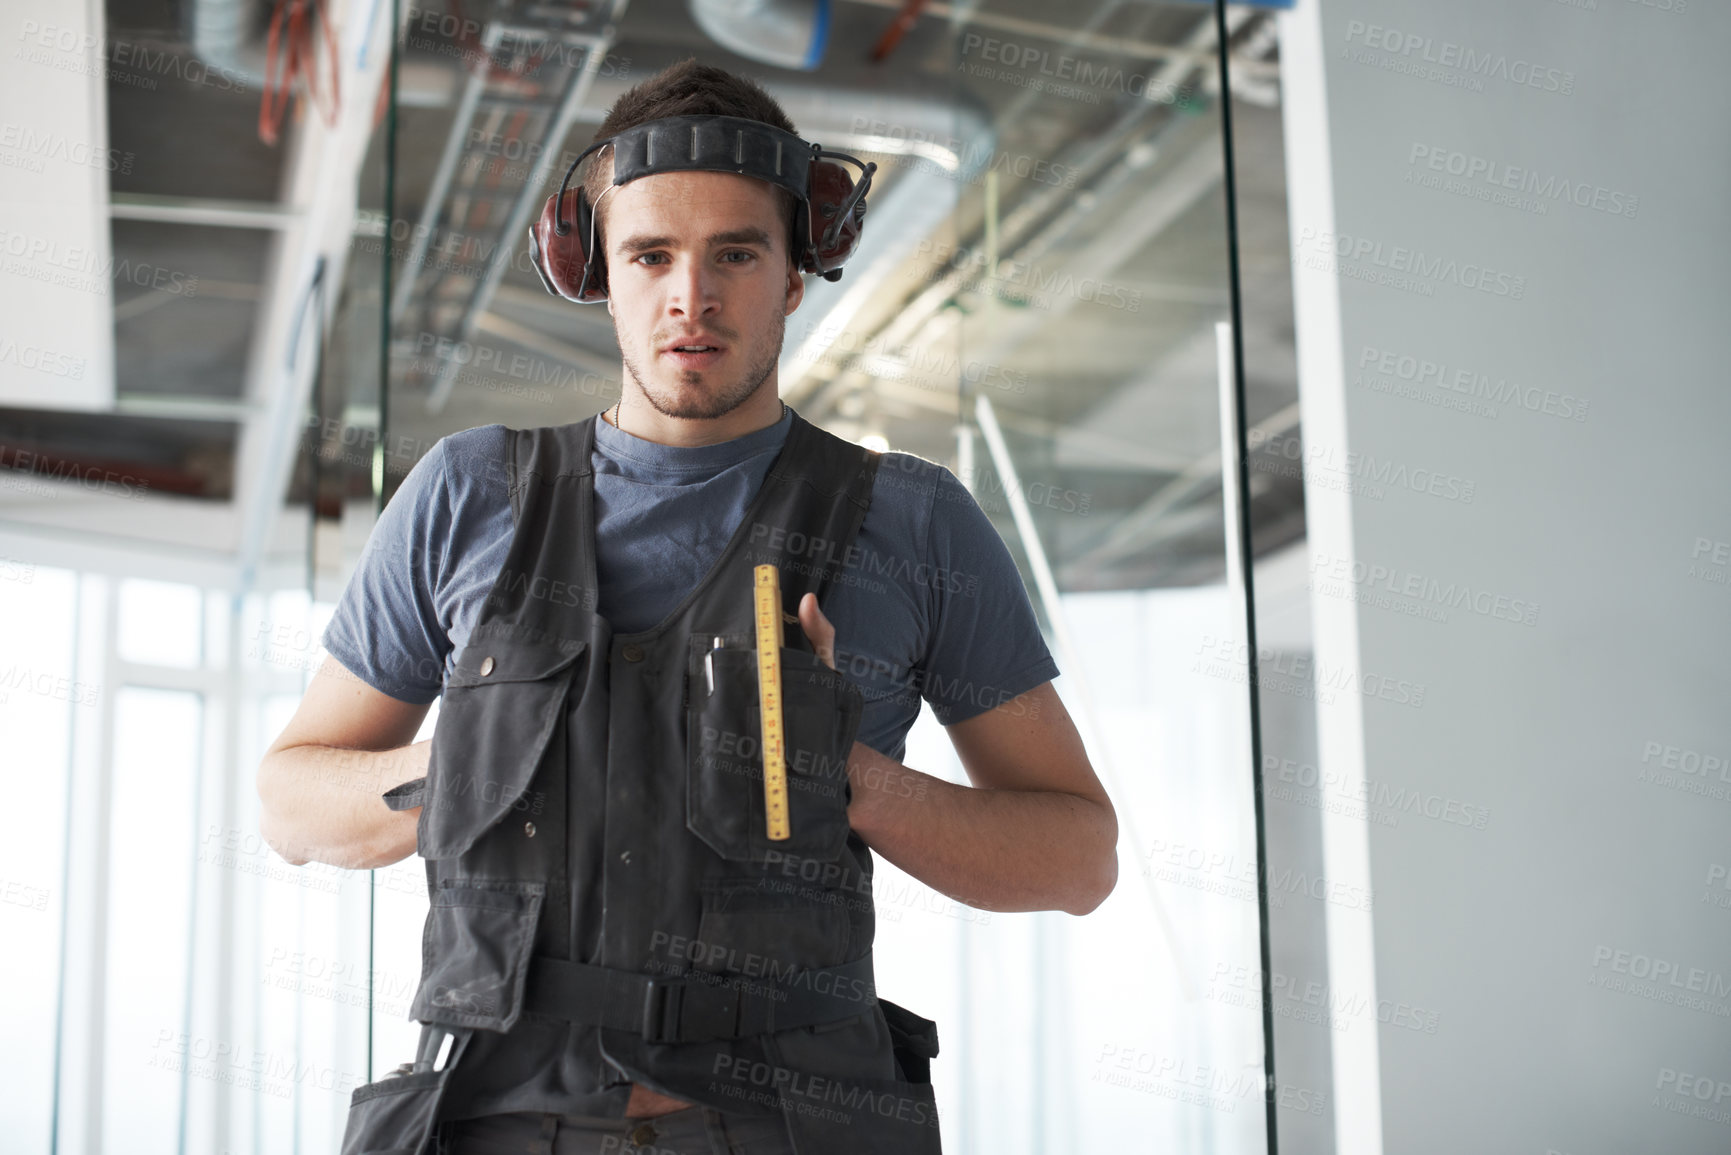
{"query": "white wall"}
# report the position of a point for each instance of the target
(1565, 970)
(57, 297)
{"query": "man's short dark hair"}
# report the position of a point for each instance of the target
(690, 89)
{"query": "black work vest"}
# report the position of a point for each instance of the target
(606, 904)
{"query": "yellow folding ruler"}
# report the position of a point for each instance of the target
(768, 593)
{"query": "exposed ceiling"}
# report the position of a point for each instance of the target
(1097, 350)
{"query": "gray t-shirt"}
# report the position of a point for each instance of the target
(930, 604)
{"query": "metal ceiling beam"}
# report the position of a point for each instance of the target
(966, 16)
(468, 211)
(187, 408)
(524, 204)
(202, 211)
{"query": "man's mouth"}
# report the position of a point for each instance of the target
(694, 355)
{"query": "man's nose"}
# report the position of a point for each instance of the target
(693, 292)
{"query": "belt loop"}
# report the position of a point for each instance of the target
(716, 1130)
(543, 1144)
(663, 1000)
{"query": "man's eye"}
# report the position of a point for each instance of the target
(747, 254)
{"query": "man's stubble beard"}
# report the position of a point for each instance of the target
(718, 402)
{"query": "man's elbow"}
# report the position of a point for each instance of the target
(1099, 889)
(1103, 878)
(269, 824)
(275, 838)
(289, 853)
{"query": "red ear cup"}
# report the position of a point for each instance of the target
(562, 261)
(830, 186)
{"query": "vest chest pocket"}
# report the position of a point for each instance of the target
(502, 706)
(725, 803)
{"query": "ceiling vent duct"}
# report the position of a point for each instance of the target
(786, 33)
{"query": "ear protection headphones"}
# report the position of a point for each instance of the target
(829, 203)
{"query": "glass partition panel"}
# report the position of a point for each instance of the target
(1041, 305)
(1083, 288)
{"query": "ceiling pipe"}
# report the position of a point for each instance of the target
(1036, 224)
(923, 112)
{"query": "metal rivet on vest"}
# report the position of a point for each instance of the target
(633, 652)
(642, 1133)
(486, 666)
(529, 829)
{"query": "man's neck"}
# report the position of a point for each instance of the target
(634, 415)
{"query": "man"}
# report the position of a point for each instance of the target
(561, 588)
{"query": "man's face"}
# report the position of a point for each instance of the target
(698, 258)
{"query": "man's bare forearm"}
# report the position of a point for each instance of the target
(1001, 850)
(323, 804)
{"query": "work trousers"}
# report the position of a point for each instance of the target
(691, 1131)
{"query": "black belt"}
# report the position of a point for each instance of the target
(697, 1007)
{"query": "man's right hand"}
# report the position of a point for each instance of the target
(321, 781)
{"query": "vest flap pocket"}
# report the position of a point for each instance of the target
(395, 1116)
(475, 953)
(503, 706)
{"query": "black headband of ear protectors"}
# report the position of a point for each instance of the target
(829, 203)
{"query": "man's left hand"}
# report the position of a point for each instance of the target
(818, 629)
(1034, 831)
(821, 633)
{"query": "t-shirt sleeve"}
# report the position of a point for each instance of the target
(386, 629)
(985, 645)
